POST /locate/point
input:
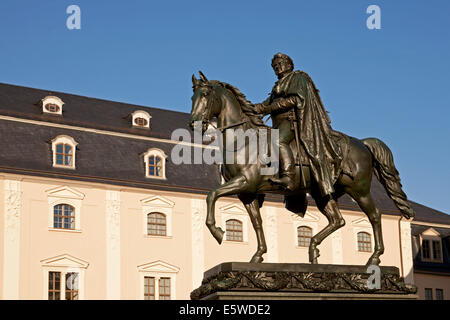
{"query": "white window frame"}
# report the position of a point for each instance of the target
(64, 195)
(309, 220)
(362, 225)
(140, 114)
(235, 212)
(53, 100)
(431, 238)
(157, 204)
(159, 153)
(64, 264)
(158, 269)
(64, 139)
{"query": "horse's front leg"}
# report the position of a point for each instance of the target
(252, 205)
(233, 186)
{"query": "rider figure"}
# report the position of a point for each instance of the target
(295, 89)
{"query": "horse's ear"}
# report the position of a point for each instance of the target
(194, 80)
(202, 77)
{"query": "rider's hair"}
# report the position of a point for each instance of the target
(284, 57)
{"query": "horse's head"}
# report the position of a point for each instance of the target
(205, 104)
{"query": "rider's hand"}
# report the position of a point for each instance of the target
(260, 108)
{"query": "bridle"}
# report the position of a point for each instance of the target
(206, 114)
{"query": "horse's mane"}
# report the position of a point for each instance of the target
(247, 107)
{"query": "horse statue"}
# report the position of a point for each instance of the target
(224, 102)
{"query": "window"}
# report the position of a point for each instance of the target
(71, 286)
(155, 166)
(304, 235)
(155, 163)
(158, 281)
(149, 288)
(54, 285)
(140, 122)
(428, 294)
(436, 250)
(156, 224)
(164, 289)
(234, 230)
(364, 242)
(439, 294)
(64, 209)
(64, 154)
(141, 119)
(63, 277)
(64, 148)
(431, 250)
(157, 216)
(52, 105)
(63, 217)
(426, 249)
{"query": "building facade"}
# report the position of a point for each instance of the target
(93, 207)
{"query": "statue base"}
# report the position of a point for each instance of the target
(281, 281)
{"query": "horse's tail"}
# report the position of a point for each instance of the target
(387, 174)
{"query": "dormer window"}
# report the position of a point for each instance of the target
(155, 164)
(431, 246)
(64, 148)
(140, 119)
(52, 105)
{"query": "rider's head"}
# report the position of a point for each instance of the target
(282, 64)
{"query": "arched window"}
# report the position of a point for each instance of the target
(156, 224)
(234, 230)
(364, 242)
(64, 148)
(155, 163)
(304, 235)
(155, 166)
(64, 154)
(63, 217)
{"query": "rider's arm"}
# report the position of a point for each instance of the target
(282, 104)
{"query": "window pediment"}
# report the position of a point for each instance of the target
(65, 192)
(158, 267)
(64, 260)
(233, 209)
(157, 202)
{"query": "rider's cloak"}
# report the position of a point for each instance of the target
(315, 128)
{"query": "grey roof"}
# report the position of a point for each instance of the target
(116, 159)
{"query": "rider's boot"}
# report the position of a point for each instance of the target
(287, 172)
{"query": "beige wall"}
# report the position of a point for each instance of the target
(111, 245)
(424, 280)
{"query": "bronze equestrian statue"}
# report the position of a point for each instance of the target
(314, 158)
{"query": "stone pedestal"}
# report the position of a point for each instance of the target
(281, 281)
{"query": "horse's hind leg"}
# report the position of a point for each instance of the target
(234, 186)
(368, 206)
(252, 205)
(330, 209)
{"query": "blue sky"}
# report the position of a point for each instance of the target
(390, 83)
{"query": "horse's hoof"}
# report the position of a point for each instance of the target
(256, 259)
(218, 234)
(314, 261)
(373, 261)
